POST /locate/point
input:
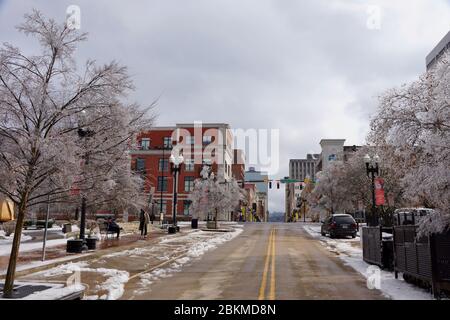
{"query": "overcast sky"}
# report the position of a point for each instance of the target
(312, 69)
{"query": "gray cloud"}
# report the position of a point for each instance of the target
(310, 68)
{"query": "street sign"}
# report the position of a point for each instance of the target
(290, 180)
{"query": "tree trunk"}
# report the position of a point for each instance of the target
(9, 281)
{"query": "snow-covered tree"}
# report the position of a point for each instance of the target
(45, 104)
(212, 196)
(346, 186)
(328, 194)
(412, 127)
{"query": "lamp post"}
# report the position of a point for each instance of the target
(161, 187)
(372, 169)
(176, 161)
(84, 133)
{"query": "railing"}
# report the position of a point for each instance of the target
(376, 250)
(422, 260)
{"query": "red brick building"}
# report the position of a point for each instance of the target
(200, 144)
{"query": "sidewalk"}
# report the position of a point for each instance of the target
(130, 264)
(30, 261)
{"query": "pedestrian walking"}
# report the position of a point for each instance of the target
(143, 222)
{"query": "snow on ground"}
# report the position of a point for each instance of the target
(114, 283)
(35, 264)
(5, 249)
(4, 239)
(56, 291)
(350, 252)
(174, 250)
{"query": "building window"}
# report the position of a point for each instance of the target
(140, 165)
(207, 140)
(161, 208)
(187, 207)
(145, 143)
(162, 184)
(163, 165)
(188, 184)
(190, 140)
(189, 165)
(167, 142)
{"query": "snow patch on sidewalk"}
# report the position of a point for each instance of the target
(350, 252)
(4, 239)
(114, 283)
(5, 249)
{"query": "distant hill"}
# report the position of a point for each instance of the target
(276, 217)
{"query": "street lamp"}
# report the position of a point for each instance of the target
(84, 133)
(177, 161)
(372, 169)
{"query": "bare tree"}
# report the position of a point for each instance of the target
(45, 106)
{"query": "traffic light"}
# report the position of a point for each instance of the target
(270, 184)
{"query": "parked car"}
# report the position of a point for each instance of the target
(410, 216)
(339, 225)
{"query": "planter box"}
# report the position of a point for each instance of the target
(171, 229)
(91, 243)
(74, 246)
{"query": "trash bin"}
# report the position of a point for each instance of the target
(194, 223)
(74, 246)
(91, 243)
(67, 227)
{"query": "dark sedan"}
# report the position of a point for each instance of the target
(339, 225)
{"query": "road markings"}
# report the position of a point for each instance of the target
(269, 261)
(272, 273)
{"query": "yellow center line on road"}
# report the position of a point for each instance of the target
(270, 261)
(272, 274)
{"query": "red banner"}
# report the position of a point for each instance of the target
(379, 192)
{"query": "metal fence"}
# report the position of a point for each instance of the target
(376, 250)
(425, 259)
(371, 241)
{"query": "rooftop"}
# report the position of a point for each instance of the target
(438, 50)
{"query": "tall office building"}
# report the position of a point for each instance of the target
(301, 168)
(438, 51)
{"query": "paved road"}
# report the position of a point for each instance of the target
(266, 261)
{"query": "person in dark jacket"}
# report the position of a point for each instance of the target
(143, 222)
(114, 227)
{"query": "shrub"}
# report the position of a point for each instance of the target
(9, 227)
